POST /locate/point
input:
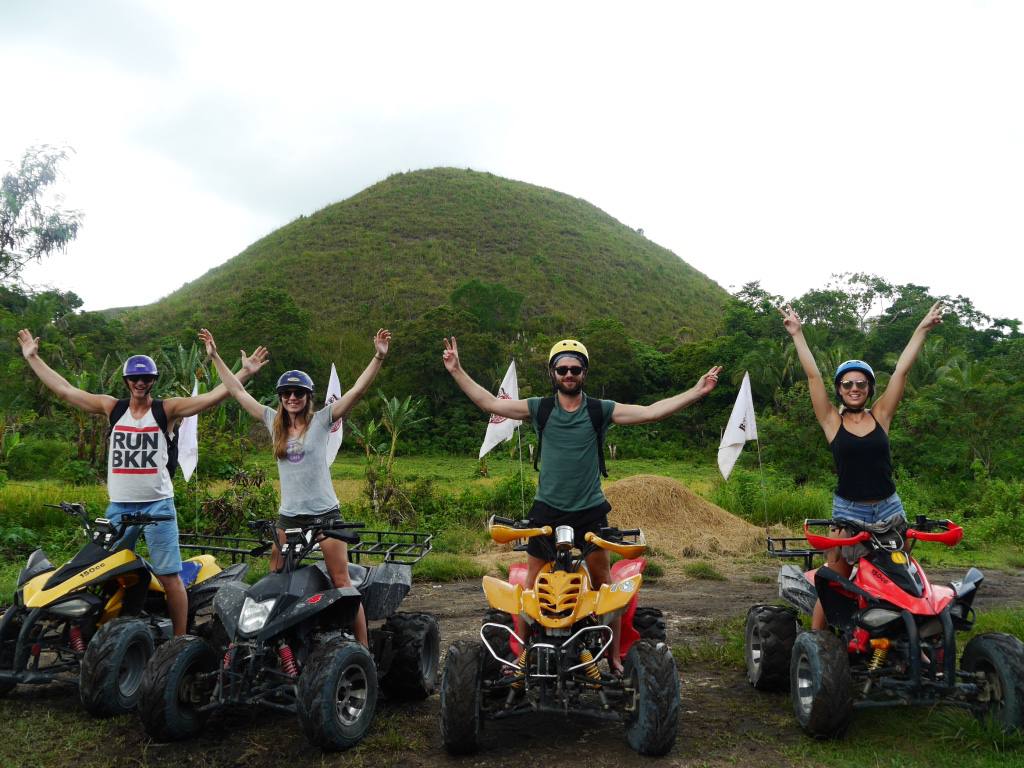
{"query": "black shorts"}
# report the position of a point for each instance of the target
(309, 521)
(583, 522)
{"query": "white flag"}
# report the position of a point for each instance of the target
(188, 441)
(333, 439)
(741, 427)
(500, 429)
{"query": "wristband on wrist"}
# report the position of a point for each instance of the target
(379, 357)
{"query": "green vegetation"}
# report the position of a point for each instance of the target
(702, 569)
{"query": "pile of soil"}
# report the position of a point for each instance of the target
(676, 520)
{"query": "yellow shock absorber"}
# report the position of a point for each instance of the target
(586, 657)
(522, 669)
(881, 651)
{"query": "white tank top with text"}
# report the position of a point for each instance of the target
(137, 460)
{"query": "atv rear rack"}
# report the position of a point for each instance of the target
(780, 546)
(407, 547)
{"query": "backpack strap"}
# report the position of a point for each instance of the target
(596, 413)
(116, 413)
(160, 415)
(544, 409)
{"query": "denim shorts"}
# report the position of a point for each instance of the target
(881, 513)
(162, 538)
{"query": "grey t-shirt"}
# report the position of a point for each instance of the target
(306, 487)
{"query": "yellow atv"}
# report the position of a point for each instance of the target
(97, 617)
(541, 649)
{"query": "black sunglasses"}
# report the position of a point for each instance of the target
(298, 393)
(143, 378)
(562, 370)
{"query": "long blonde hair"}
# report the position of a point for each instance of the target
(283, 422)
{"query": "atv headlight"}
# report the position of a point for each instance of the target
(71, 609)
(874, 618)
(254, 615)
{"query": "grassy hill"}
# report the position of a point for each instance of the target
(399, 248)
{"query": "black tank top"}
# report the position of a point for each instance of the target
(864, 464)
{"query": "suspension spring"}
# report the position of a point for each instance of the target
(878, 658)
(522, 669)
(586, 657)
(75, 639)
(288, 660)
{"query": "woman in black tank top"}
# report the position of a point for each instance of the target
(859, 437)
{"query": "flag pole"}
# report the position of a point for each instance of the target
(522, 479)
(764, 486)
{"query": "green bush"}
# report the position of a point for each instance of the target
(78, 472)
(34, 459)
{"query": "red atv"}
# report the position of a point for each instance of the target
(891, 637)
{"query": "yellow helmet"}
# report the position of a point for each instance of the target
(569, 347)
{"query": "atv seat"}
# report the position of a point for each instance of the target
(356, 573)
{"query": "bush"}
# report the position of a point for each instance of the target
(34, 459)
(78, 472)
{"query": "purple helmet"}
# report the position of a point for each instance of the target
(295, 380)
(140, 365)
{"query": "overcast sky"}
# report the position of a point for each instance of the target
(770, 141)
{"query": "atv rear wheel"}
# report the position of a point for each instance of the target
(1000, 657)
(114, 663)
(769, 637)
(337, 696)
(654, 722)
(820, 684)
(650, 623)
(168, 705)
(497, 639)
(417, 644)
(461, 690)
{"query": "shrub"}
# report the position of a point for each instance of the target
(35, 459)
(78, 472)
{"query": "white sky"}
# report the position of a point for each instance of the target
(771, 141)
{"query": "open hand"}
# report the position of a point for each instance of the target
(29, 343)
(791, 320)
(253, 363)
(207, 338)
(381, 342)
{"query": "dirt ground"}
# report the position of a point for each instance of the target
(722, 718)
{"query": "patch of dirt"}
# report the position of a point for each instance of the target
(723, 721)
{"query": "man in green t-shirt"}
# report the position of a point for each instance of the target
(569, 489)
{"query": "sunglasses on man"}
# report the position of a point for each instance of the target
(562, 370)
(143, 378)
(850, 384)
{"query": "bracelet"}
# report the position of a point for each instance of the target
(378, 357)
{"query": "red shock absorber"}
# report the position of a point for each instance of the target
(75, 639)
(229, 656)
(288, 660)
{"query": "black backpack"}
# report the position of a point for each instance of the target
(161, 420)
(594, 410)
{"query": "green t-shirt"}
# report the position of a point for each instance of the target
(570, 475)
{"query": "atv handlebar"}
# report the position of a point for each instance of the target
(950, 537)
(828, 542)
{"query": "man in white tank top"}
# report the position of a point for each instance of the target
(137, 476)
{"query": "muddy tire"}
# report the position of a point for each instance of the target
(650, 623)
(1000, 657)
(10, 626)
(168, 706)
(110, 679)
(652, 727)
(497, 639)
(337, 696)
(769, 637)
(417, 644)
(820, 685)
(461, 717)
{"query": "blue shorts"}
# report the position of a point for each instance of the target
(881, 513)
(162, 538)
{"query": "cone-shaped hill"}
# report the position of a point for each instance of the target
(401, 247)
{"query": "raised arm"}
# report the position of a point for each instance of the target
(78, 398)
(826, 413)
(345, 403)
(249, 403)
(485, 401)
(180, 407)
(644, 414)
(885, 406)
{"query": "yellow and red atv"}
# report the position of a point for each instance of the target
(98, 617)
(545, 649)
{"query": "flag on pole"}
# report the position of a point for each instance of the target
(500, 429)
(741, 427)
(333, 439)
(188, 441)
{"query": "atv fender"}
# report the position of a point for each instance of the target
(37, 564)
(384, 589)
(38, 596)
(503, 596)
(797, 589)
(613, 597)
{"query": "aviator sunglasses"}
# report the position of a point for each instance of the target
(859, 384)
(298, 394)
(562, 370)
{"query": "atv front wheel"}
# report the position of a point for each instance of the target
(652, 725)
(113, 667)
(171, 693)
(461, 717)
(417, 644)
(497, 639)
(1000, 658)
(337, 696)
(650, 623)
(820, 685)
(769, 637)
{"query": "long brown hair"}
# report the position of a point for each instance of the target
(283, 422)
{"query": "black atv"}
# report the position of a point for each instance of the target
(286, 642)
(97, 618)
